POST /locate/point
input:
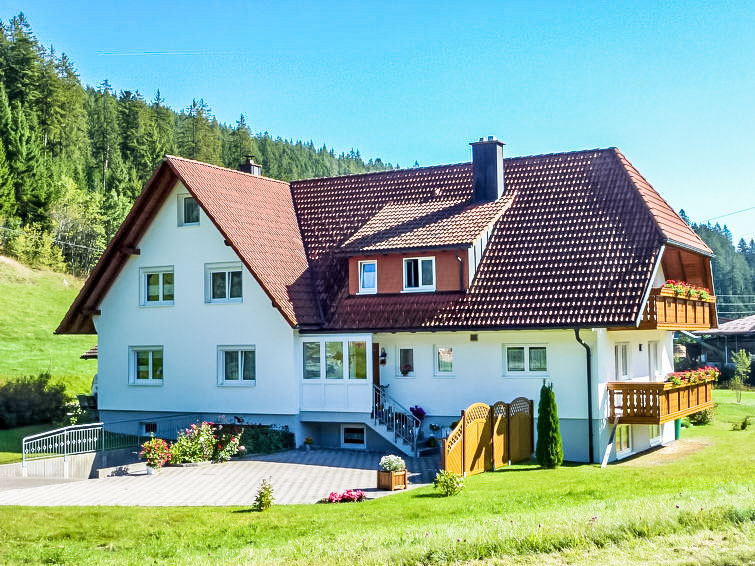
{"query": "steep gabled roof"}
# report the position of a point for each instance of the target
(576, 246)
(255, 215)
(676, 230)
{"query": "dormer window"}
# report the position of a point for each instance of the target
(188, 211)
(368, 277)
(419, 274)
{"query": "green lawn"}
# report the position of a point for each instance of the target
(698, 509)
(10, 441)
(32, 304)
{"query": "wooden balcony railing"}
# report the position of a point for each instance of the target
(666, 311)
(636, 402)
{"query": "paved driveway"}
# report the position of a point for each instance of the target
(297, 477)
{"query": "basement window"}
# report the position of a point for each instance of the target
(353, 436)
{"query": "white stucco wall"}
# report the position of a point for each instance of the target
(191, 330)
(479, 370)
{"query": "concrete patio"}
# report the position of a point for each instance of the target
(297, 477)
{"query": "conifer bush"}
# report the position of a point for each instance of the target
(549, 451)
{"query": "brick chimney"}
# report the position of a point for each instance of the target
(249, 166)
(487, 166)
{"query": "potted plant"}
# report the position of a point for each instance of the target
(392, 473)
(156, 452)
(308, 442)
(406, 369)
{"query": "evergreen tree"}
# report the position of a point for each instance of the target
(22, 62)
(7, 189)
(549, 452)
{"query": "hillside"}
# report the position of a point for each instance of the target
(32, 303)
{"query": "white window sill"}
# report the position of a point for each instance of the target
(419, 290)
(147, 383)
(245, 383)
(367, 292)
(410, 375)
(158, 304)
(525, 375)
(624, 454)
(189, 225)
(444, 375)
(223, 301)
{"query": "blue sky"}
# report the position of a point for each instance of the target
(672, 84)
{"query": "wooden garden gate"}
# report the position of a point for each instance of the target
(489, 437)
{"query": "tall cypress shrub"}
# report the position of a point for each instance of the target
(548, 452)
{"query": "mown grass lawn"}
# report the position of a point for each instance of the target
(32, 304)
(695, 510)
(10, 441)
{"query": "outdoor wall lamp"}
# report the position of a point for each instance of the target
(383, 356)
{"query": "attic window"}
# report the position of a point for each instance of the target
(188, 211)
(419, 274)
(368, 277)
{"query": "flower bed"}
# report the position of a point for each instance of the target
(348, 496)
(707, 373)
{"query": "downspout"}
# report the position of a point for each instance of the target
(588, 355)
(461, 272)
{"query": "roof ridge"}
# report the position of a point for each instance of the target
(556, 153)
(384, 172)
(168, 156)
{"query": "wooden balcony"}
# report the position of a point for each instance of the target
(637, 402)
(665, 311)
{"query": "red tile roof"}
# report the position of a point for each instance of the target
(430, 224)
(574, 241)
(577, 245)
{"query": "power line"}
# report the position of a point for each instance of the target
(731, 213)
(57, 241)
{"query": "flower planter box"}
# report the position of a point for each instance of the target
(391, 481)
(668, 292)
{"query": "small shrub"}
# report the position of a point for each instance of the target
(348, 496)
(227, 442)
(448, 483)
(263, 439)
(156, 452)
(206, 442)
(32, 400)
(549, 451)
(392, 463)
(264, 499)
(741, 426)
(703, 417)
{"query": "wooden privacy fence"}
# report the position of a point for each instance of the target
(489, 437)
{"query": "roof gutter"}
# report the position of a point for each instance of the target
(690, 248)
(649, 287)
(588, 356)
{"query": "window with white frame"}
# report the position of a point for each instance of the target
(444, 361)
(653, 360)
(621, 355)
(237, 365)
(654, 433)
(188, 210)
(419, 274)
(525, 359)
(623, 440)
(157, 286)
(405, 362)
(368, 277)
(223, 283)
(145, 365)
(334, 359)
(353, 436)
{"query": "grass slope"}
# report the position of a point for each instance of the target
(697, 509)
(32, 304)
(10, 441)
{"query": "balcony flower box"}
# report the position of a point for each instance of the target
(682, 290)
(391, 481)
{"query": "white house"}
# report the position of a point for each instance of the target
(230, 295)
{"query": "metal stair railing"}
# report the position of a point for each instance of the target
(395, 418)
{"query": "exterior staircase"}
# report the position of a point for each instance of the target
(394, 422)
